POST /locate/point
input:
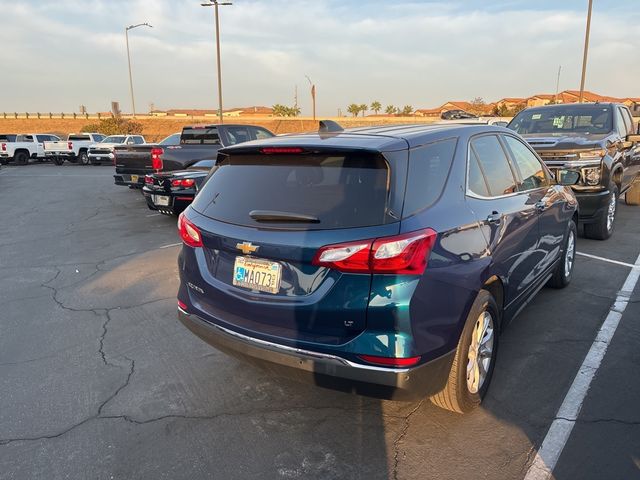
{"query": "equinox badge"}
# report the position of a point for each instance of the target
(246, 248)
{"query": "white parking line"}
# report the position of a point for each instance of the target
(560, 429)
(171, 245)
(595, 257)
(152, 215)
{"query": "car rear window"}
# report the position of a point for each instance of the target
(7, 137)
(339, 190)
(79, 137)
(200, 136)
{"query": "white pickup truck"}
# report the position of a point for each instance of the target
(75, 148)
(19, 148)
(103, 151)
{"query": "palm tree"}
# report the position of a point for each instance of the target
(390, 110)
(354, 109)
(363, 108)
(407, 110)
(376, 106)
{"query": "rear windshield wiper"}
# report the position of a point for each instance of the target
(276, 216)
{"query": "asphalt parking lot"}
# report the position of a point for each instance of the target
(98, 379)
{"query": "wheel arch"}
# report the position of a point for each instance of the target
(495, 287)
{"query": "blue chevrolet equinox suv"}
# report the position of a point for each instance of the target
(382, 261)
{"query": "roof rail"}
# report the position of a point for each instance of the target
(329, 126)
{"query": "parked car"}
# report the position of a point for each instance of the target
(103, 151)
(19, 148)
(381, 260)
(171, 192)
(74, 149)
(199, 142)
(456, 114)
(597, 140)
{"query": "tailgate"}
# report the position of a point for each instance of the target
(133, 160)
(58, 146)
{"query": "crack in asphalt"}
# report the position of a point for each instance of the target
(588, 421)
(403, 433)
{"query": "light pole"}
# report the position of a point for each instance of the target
(586, 49)
(126, 36)
(215, 3)
(313, 96)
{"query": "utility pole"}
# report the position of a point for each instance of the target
(215, 3)
(126, 36)
(313, 96)
(555, 98)
(586, 49)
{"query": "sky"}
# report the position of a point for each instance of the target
(58, 55)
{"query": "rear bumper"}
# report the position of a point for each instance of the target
(100, 157)
(591, 205)
(127, 180)
(59, 154)
(330, 371)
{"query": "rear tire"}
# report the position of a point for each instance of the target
(83, 158)
(474, 360)
(58, 160)
(632, 197)
(564, 271)
(21, 158)
(603, 227)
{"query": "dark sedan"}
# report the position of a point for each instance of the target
(171, 192)
(383, 261)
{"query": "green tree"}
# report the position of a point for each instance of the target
(407, 110)
(285, 111)
(390, 110)
(376, 106)
(354, 109)
(114, 126)
(363, 108)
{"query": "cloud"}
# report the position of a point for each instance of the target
(69, 53)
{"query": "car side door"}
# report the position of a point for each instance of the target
(508, 217)
(630, 150)
(547, 197)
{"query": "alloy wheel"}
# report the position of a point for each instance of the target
(611, 211)
(569, 254)
(480, 352)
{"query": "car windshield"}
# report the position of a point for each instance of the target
(563, 119)
(114, 139)
(171, 140)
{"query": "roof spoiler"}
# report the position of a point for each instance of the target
(329, 126)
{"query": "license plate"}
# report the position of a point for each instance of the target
(134, 178)
(161, 200)
(98, 158)
(256, 274)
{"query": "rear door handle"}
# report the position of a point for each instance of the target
(541, 206)
(494, 218)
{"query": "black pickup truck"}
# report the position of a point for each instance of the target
(598, 140)
(198, 142)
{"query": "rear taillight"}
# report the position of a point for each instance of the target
(405, 254)
(69, 145)
(281, 150)
(182, 305)
(156, 158)
(4, 147)
(114, 157)
(148, 180)
(185, 183)
(390, 361)
(189, 233)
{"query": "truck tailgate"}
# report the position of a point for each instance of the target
(134, 159)
(58, 146)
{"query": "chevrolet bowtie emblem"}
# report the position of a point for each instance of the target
(246, 247)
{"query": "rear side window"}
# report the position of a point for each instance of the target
(428, 170)
(171, 140)
(7, 137)
(324, 190)
(200, 136)
(238, 135)
(494, 165)
(531, 170)
(203, 164)
(262, 133)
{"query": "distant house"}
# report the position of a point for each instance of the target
(454, 105)
(511, 102)
(540, 100)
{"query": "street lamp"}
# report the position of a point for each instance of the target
(126, 35)
(313, 96)
(215, 3)
(586, 49)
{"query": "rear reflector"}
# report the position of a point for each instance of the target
(148, 180)
(69, 145)
(189, 232)
(272, 150)
(4, 147)
(390, 361)
(156, 158)
(405, 254)
(182, 305)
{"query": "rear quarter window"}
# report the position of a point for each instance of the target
(429, 167)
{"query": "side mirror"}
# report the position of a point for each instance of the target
(567, 177)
